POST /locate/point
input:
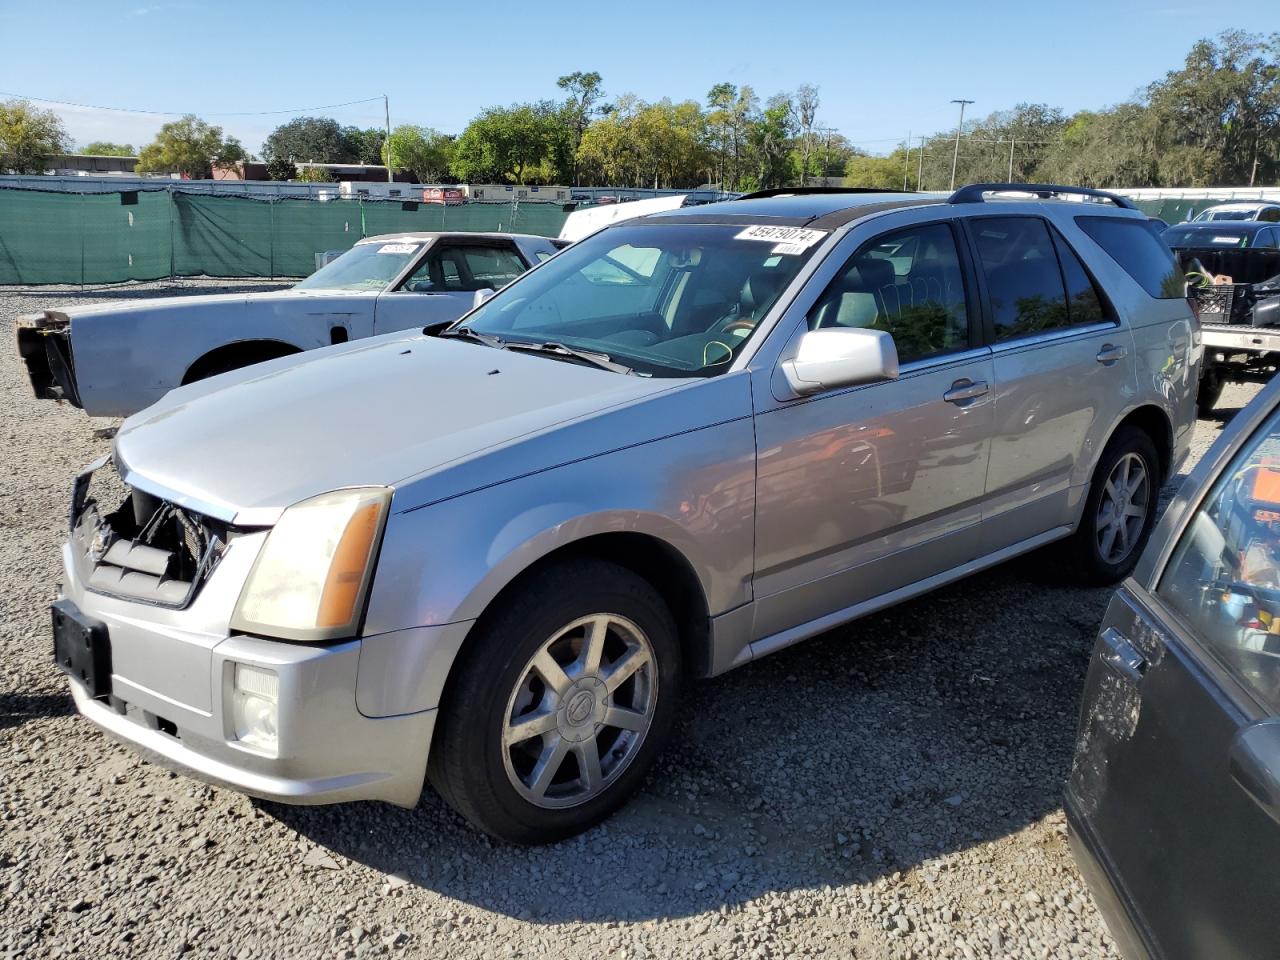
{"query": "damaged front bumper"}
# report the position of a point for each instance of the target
(44, 343)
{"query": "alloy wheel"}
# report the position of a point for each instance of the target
(1122, 510)
(580, 711)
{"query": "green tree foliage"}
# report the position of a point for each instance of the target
(585, 93)
(640, 144)
(523, 143)
(315, 175)
(189, 146)
(310, 140)
(363, 146)
(103, 148)
(423, 151)
(29, 136)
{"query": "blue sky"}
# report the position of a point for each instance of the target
(882, 69)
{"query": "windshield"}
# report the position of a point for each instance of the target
(1221, 237)
(1237, 214)
(366, 266)
(664, 299)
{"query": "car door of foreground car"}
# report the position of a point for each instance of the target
(444, 285)
(866, 490)
(1063, 373)
(1174, 795)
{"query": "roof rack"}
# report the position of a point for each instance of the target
(810, 191)
(973, 193)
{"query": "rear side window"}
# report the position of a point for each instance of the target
(1024, 282)
(1084, 304)
(1136, 246)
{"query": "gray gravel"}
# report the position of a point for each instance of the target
(891, 789)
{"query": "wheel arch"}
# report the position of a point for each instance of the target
(1155, 423)
(224, 357)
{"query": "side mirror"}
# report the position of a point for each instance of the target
(1254, 762)
(835, 357)
(481, 296)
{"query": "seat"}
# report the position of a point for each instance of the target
(857, 299)
(759, 291)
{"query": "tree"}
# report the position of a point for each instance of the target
(29, 136)
(364, 145)
(309, 140)
(189, 146)
(422, 150)
(103, 148)
(516, 144)
(315, 175)
(806, 101)
(584, 94)
(769, 137)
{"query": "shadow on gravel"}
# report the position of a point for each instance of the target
(19, 708)
(932, 727)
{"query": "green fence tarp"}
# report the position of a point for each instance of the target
(48, 237)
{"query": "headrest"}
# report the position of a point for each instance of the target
(867, 275)
(760, 288)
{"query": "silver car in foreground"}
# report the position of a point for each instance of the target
(493, 557)
(114, 359)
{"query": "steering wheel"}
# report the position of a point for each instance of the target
(737, 325)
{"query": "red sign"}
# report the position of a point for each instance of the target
(449, 196)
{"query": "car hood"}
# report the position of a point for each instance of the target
(245, 445)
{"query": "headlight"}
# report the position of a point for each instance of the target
(310, 579)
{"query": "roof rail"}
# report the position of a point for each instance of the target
(810, 191)
(973, 193)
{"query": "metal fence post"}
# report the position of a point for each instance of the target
(172, 244)
(271, 206)
(82, 226)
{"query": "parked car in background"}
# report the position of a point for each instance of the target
(113, 359)
(1174, 796)
(1240, 210)
(495, 556)
(1235, 268)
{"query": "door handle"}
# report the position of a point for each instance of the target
(1254, 762)
(1111, 352)
(963, 390)
(1122, 656)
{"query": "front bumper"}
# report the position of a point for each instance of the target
(171, 694)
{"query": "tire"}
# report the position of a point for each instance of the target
(1083, 551)
(1211, 384)
(486, 765)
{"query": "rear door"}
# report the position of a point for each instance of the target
(444, 284)
(1174, 796)
(1063, 373)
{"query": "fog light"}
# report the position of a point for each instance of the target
(254, 706)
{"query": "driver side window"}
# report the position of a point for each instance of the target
(908, 283)
(464, 268)
(1224, 576)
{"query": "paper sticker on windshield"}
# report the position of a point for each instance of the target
(788, 240)
(398, 248)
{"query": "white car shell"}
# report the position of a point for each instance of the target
(1240, 210)
(115, 359)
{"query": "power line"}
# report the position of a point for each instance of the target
(164, 113)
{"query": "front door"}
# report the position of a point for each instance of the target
(864, 491)
(444, 285)
(1174, 794)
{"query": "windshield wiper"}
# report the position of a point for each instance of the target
(601, 360)
(466, 333)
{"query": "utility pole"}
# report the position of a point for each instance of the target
(386, 106)
(906, 163)
(920, 166)
(1012, 141)
(955, 157)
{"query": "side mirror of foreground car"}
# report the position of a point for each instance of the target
(1254, 760)
(835, 357)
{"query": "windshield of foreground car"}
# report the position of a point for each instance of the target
(668, 299)
(366, 266)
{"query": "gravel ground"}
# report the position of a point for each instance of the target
(890, 789)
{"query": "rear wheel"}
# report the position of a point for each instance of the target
(1119, 511)
(1211, 384)
(566, 696)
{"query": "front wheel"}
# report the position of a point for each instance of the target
(564, 698)
(1119, 510)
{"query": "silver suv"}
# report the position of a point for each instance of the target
(494, 557)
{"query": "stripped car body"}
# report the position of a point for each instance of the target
(688, 441)
(114, 359)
